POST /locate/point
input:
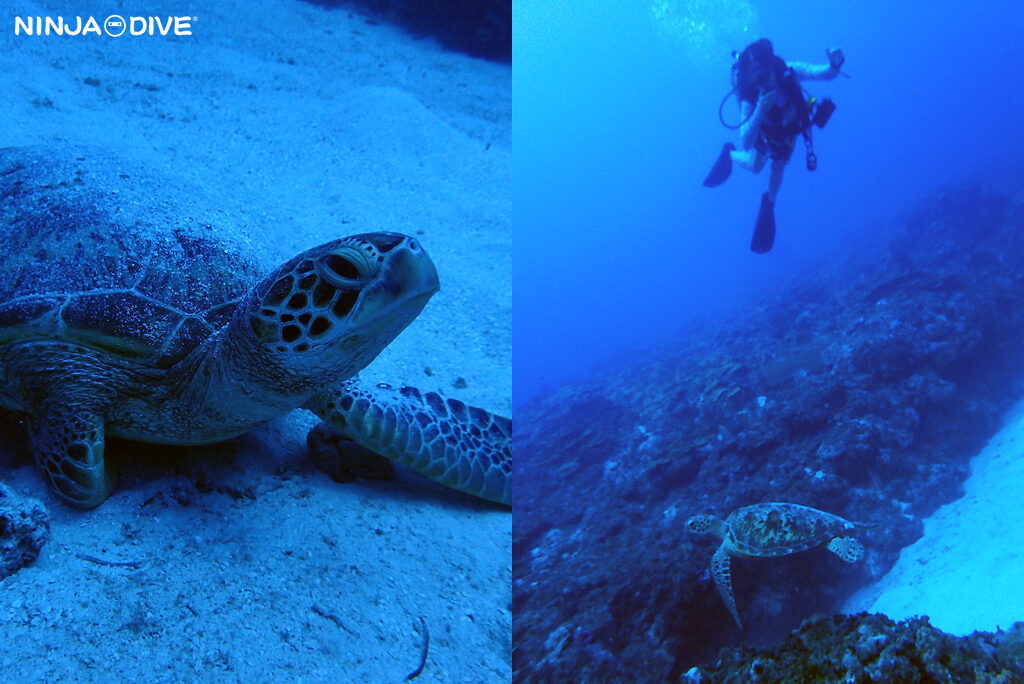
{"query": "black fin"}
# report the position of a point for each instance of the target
(722, 168)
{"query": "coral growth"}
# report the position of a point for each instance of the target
(24, 528)
(872, 648)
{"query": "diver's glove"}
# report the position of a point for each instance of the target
(835, 58)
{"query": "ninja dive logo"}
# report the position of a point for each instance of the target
(113, 26)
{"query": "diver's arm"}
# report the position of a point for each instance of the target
(751, 125)
(813, 72)
(752, 117)
(820, 72)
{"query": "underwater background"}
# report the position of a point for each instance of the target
(616, 125)
(868, 366)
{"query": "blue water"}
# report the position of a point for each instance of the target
(616, 125)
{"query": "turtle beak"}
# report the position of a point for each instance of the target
(406, 281)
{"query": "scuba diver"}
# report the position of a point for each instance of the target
(774, 110)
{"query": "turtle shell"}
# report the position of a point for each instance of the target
(143, 279)
(779, 529)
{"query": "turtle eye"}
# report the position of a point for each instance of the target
(342, 267)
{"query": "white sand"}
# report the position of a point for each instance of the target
(967, 572)
(312, 124)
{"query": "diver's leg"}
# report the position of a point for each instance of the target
(775, 179)
(764, 229)
(751, 158)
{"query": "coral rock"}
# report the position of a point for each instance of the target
(24, 528)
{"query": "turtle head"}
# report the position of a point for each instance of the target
(706, 524)
(329, 311)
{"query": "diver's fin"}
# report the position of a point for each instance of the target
(764, 231)
(722, 168)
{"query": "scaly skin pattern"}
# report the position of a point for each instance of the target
(461, 446)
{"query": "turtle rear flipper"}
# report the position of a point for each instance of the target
(460, 446)
(847, 548)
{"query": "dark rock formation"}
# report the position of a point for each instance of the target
(24, 528)
(872, 648)
(863, 392)
(481, 28)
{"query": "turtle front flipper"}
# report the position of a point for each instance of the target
(67, 443)
(461, 446)
(723, 580)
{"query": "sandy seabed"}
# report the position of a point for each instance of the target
(311, 124)
(967, 571)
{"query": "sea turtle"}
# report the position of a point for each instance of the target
(129, 307)
(772, 529)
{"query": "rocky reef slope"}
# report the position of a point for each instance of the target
(863, 392)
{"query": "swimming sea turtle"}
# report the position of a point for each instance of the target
(128, 307)
(772, 529)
